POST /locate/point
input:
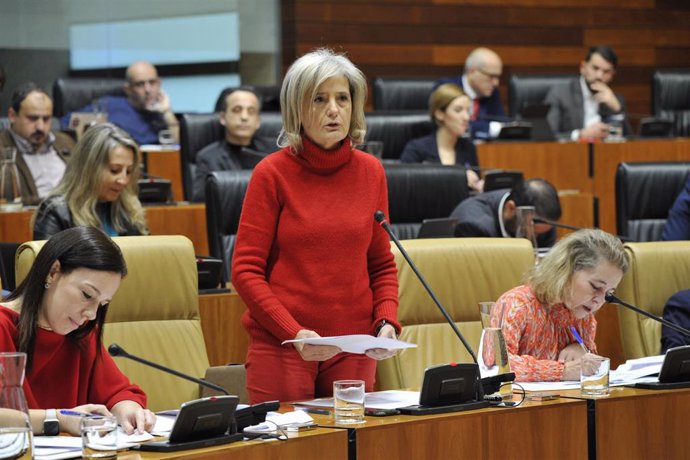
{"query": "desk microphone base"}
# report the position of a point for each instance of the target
(166, 446)
(429, 410)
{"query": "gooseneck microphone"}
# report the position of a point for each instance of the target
(117, 351)
(380, 217)
(610, 298)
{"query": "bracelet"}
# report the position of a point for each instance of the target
(381, 323)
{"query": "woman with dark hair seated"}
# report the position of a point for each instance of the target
(449, 108)
(99, 187)
(56, 317)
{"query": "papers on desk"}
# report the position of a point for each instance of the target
(632, 371)
(390, 399)
(58, 447)
(357, 343)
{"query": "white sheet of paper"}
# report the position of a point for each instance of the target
(389, 399)
(357, 343)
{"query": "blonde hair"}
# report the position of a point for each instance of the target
(581, 250)
(300, 84)
(441, 98)
(83, 178)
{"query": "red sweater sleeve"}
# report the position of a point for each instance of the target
(382, 270)
(109, 385)
(255, 235)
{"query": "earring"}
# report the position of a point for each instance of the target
(47, 285)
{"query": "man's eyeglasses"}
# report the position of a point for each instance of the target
(492, 76)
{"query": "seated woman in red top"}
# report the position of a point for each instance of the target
(565, 289)
(310, 260)
(56, 317)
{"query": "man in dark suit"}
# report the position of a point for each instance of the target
(240, 149)
(40, 153)
(483, 69)
(494, 214)
(677, 311)
(586, 108)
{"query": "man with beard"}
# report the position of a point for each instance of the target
(584, 108)
(40, 153)
(240, 114)
(494, 214)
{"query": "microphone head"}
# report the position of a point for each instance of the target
(610, 298)
(115, 350)
(379, 216)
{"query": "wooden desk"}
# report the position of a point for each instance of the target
(165, 163)
(317, 444)
(177, 219)
(550, 429)
(640, 424)
(226, 340)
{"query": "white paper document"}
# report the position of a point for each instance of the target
(357, 343)
(389, 399)
(58, 447)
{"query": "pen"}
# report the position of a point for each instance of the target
(72, 413)
(578, 338)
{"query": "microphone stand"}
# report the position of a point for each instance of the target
(610, 298)
(479, 402)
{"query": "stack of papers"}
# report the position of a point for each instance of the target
(389, 399)
(58, 447)
(357, 343)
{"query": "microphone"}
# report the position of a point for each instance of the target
(491, 383)
(380, 217)
(610, 298)
(116, 350)
(541, 220)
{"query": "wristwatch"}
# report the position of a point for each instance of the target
(381, 323)
(51, 425)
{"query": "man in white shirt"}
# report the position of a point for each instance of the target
(586, 108)
(40, 153)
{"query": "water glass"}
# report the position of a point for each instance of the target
(525, 224)
(596, 383)
(166, 137)
(99, 436)
(348, 401)
(10, 187)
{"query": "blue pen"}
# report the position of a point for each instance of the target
(578, 338)
(72, 413)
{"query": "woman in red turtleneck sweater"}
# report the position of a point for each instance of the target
(309, 258)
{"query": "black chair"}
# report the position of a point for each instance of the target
(270, 97)
(422, 191)
(197, 130)
(225, 192)
(645, 193)
(671, 98)
(397, 93)
(526, 90)
(395, 129)
(70, 94)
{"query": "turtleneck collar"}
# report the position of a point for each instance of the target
(323, 161)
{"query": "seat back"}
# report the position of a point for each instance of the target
(225, 192)
(197, 130)
(154, 315)
(671, 98)
(645, 193)
(531, 89)
(70, 94)
(395, 129)
(402, 93)
(657, 271)
(422, 191)
(462, 272)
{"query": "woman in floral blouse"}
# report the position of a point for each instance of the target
(563, 291)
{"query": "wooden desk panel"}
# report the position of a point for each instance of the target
(608, 156)
(166, 164)
(566, 165)
(577, 210)
(226, 340)
(181, 219)
(528, 431)
(317, 444)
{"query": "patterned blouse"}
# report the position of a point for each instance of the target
(536, 333)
